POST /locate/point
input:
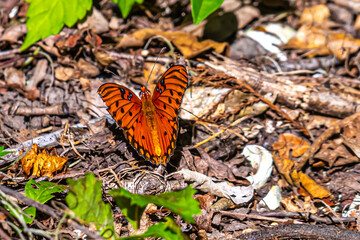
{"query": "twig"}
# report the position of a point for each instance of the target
(3, 235)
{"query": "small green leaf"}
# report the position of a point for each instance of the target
(39, 191)
(85, 200)
(2, 152)
(47, 18)
(133, 205)
(167, 230)
(126, 5)
(32, 212)
(203, 8)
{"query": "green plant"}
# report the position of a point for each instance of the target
(85, 200)
(39, 191)
(2, 152)
(133, 205)
(203, 8)
(45, 18)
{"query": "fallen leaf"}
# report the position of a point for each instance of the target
(41, 164)
(65, 41)
(323, 42)
(290, 146)
(304, 182)
(87, 68)
(64, 73)
(288, 142)
(294, 204)
(188, 44)
(315, 14)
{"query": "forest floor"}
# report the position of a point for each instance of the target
(268, 129)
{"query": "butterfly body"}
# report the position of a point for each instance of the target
(150, 123)
(149, 112)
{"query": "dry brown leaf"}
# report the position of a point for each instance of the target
(344, 149)
(287, 147)
(316, 14)
(64, 73)
(323, 42)
(41, 163)
(288, 142)
(103, 58)
(304, 182)
(159, 69)
(294, 204)
(284, 166)
(185, 42)
(87, 68)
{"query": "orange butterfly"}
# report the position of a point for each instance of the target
(150, 123)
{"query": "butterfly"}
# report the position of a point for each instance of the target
(150, 123)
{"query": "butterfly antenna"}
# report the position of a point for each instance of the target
(152, 69)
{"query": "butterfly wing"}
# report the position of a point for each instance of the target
(123, 105)
(167, 98)
(126, 109)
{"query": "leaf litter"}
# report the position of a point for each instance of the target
(264, 141)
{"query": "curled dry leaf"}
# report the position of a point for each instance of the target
(260, 159)
(41, 164)
(342, 150)
(185, 42)
(288, 142)
(283, 160)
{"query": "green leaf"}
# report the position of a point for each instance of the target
(85, 200)
(203, 8)
(133, 205)
(39, 191)
(2, 152)
(126, 5)
(32, 212)
(47, 18)
(168, 230)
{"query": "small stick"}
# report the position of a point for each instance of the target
(58, 109)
